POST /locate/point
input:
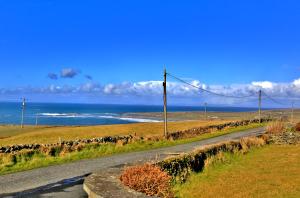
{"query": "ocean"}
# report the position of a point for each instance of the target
(89, 114)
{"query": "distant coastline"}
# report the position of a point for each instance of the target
(96, 114)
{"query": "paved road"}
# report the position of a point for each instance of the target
(66, 180)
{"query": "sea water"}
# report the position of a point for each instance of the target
(89, 114)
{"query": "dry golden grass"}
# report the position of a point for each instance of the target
(271, 171)
(276, 127)
(250, 142)
(52, 134)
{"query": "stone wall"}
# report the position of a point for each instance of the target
(201, 130)
(126, 139)
(100, 140)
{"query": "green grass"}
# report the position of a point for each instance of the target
(271, 171)
(35, 160)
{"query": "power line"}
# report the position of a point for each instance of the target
(205, 90)
(273, 100)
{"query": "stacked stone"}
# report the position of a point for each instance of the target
(100, 140)
(202, 130)
(285, 138)
(128, 138)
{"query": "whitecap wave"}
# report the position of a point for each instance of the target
(102, 115)
(139, 119)
(66, 115)
(130, 119)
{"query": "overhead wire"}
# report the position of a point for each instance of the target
(208, 91)
(273, 100)
(224, 95)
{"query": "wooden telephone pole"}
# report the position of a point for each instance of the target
(165, 104)
(259, 106)
(292, 116)
(23, 110)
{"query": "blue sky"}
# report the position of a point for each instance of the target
(109, 45)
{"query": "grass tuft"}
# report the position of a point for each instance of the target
(276, 127)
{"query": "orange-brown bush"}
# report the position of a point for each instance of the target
(148, 179)
(275, 127)
(297, 126)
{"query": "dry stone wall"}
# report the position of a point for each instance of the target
(126, 139)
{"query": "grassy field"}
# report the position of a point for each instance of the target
(10, 164)
(47, 134)
(271, 171)
(200, 115)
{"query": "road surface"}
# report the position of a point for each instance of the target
(66, 180)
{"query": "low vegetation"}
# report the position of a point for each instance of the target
(224, 170)
(180, 167)
(276, 127)
(297, 127)
(148, 179)
(28, 159)
(271, 171)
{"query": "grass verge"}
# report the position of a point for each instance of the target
(271, 171)
(30, 160)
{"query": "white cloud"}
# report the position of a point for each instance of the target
(297, 82)
(176, 90)
(264, 84)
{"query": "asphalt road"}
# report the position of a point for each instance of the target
(66, 180)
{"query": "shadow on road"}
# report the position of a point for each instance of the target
(69, 188)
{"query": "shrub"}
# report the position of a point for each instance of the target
(148, 179)
(154, 138)
(66, 150)
(78, 147)
(7, 160)
(51, 150)
(275, 127)
(297, 126)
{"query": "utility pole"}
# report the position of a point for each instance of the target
(205, 110)
(23, 110)
(259, 106)
(165, 104)
(292, 116)
(36, 119)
